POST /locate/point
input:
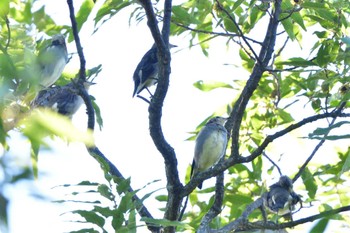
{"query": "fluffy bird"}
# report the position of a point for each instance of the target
(281, 199)
(146, 72)
(210, 145)
(52, 60)
(62, 99)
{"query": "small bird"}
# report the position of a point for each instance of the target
(62, 99)
(146, 72)
(210, 145)
(52, 60)
(281, 199)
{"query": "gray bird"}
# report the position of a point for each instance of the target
(62, 99)
(52, 60)
(210, 145)
(146, 72)
(281, 199)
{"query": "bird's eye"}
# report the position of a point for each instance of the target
(55, 42)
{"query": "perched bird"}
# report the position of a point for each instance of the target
(210, 145)
(146, 72)
(52, 60)
(63, 99)
(281, 199)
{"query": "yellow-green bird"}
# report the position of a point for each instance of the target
(210, 145)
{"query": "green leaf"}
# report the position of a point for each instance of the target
(44, 122)
(320, 226)
(163, 198)
(91, 217)
(131, 227)
(309, 182)
(238, 198)
(126, 203)
(322, 133)
(254, 16)
(3, 134)
(162, 222)
(210, 85)
(247, 61)
(109, 9)
(105, 191)
(34, 152)
(288, 26)
(104, 211)
(322, 34)
(84, 13)
(296, 61)
(285, 116)
(327, 53)
(346, 165)
(299, 20)
(97, 109)
(123, 185)
(182, 15)
(4, 8)
(230, 26)
(85, 230)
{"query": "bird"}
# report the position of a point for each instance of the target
(52, 60)
(146, 72)
(210, 145)
(63, 99)
(281, 198)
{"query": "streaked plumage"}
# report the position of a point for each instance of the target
(52, 60)
(210, 145)
(63, 99)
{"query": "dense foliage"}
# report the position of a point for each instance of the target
(283, 93)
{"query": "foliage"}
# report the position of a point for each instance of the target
(317, 79)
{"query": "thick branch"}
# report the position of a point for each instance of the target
(174, 186)
(265, 55)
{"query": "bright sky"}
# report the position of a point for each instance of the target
(124, 138)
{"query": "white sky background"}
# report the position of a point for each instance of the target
(125, 138)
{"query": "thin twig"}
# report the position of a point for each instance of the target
(318, 146)
(239, 30)
(273, 163)
(215, 209)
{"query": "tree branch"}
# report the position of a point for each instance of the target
(271, 138)
(242, 220)
(274, 226)
(82, 73)
(107, 165)
(234, 122)
(222, 166)
(241, 34)
(94, 151)
(174, 185)
(242, 223)
(235, 119)
(215, 209)
(318, 146)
